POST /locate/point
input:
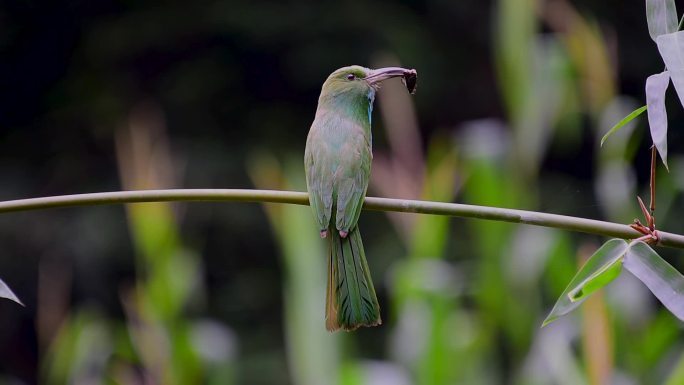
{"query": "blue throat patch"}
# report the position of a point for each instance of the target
(371, 99)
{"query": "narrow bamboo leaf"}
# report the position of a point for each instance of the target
(599, 270)
(656, 85)
(6, 292)
(671, 47)
(661, 16)
(664, 281)
(623, 122)
(596, 281)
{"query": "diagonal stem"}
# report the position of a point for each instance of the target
(652, 183)
(584, 225)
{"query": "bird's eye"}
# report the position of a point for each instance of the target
(351, 77)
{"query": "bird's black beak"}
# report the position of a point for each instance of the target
(408, 76)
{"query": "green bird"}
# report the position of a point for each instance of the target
(337, 162)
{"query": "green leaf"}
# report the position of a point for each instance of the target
(596, 281)
(6, 292)
(599, 270)
(664, 281)
(656, 85)
(661, 16)
(623, 122)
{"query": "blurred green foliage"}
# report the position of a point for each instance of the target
(513, 98)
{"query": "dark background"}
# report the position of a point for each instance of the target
(227, 82)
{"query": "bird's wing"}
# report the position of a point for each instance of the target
(318, 178)
(352, 181)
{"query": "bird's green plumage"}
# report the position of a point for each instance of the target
(351, 300)
(338, 151)
(337, 162)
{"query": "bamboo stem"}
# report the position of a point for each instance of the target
(383, 204)
(652, 180)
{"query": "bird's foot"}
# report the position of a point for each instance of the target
(324, 233)
(344, 234)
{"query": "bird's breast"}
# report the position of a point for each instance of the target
(338, 141)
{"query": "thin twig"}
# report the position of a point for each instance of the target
(652, 183)
(383, 204)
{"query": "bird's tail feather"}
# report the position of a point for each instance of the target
(350, 299)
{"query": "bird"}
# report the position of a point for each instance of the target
(337, 161)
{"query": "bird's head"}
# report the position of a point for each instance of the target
(356, 81)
